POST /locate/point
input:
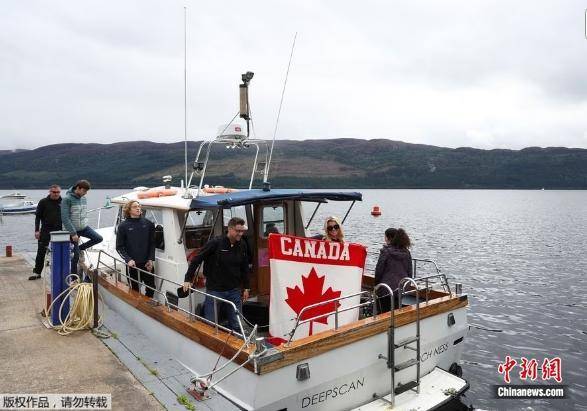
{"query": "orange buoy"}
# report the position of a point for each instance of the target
(218, 190)
(154, 193)
(375, 211)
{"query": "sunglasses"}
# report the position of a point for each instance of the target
(55, 192)
(333, 227)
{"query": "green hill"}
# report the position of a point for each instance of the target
(337, 163)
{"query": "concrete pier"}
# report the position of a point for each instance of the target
(34, 359)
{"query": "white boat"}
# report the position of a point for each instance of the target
(20, 207)
(13, 196)
(375, 361)
(12, 199)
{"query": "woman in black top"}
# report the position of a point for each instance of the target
(135, 242)
(394, 264)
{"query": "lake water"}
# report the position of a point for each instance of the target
(521, 256)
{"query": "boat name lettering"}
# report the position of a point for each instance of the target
(315, 249)
(332, 393)
(436, 351)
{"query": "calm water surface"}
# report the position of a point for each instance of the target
(521, 256)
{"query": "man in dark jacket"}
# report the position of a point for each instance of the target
(135, 242)
(226, 267)
(47, 219)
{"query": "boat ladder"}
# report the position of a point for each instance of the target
(407, 343)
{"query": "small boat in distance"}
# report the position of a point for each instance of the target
(13, 196)
(12, 199)
(24, 207)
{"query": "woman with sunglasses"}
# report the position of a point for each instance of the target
(333, 230)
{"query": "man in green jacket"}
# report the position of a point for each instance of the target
(74, 216)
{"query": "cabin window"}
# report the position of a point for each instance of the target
(200, 219)
(239, 211)
(273, 220)
(198, 228)
(153, 215)
(156, 217)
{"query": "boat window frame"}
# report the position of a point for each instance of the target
(156, 223)
(261, 222)
(180, 240)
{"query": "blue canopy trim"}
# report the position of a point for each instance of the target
(255, 196)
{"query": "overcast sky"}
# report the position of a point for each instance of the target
(486, 74)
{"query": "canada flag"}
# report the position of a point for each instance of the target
(306, 271)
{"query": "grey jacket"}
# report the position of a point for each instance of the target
(393, 265)
(74, 212)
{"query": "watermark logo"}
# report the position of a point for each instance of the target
(551, 369)
(55, 401)
(530, 369)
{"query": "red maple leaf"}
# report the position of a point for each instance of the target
(312, 294)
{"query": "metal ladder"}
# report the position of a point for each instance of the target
(405, 344)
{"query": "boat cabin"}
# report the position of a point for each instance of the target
(183, 226)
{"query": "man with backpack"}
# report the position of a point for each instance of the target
(226, 267)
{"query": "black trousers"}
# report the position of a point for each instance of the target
(42, 246)
(147, 279)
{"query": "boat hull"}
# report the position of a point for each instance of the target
(340, 378)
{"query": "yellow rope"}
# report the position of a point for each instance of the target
(81, 313)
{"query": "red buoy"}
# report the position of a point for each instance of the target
(375, 211)
(8, 251)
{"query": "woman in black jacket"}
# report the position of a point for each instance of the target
(135, 242)
(395, 263)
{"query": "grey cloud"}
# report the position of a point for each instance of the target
(453, 73)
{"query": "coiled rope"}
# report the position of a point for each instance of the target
(81, 314)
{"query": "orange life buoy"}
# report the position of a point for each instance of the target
(375, 211)
(157, 192)
(218, 190)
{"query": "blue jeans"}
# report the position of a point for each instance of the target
(94, 237)
(231, 295)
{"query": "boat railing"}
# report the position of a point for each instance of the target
(419, 286)
(98, 210)
(200, 165)
(191, 315)
(370, 300)
(415, 262)
(427, 284)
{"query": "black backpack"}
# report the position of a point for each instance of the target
(243, 249)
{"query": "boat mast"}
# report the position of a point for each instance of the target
(185, 102)
(279, 111)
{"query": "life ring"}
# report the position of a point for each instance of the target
(157, 192)
(218, 190)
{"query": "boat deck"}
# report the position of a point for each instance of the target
(298, 350)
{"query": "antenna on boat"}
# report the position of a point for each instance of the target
(265, 182)
(245, 108)
(186, 193)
